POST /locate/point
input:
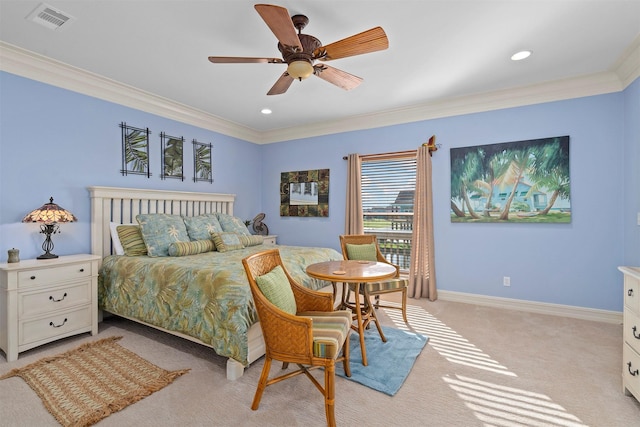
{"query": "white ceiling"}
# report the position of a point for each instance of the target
(438, 51)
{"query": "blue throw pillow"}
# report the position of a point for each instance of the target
(232, 224)
(159, 231)
(200, 227)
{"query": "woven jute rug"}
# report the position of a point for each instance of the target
(89, 383)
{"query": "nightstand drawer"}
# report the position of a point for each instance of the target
(43, 328)
(270, 239)
(632, 293)
(54, 299)
(631, 370)
(52, 275)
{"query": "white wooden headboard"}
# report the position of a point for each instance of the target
(121, 205)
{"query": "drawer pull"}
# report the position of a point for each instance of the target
(633, 373)
(630, 292)
(82, 270)
(65, 321)
(51, 298)
(33, 277)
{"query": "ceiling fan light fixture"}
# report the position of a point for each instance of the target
(300, 69)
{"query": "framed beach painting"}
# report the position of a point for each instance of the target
(512, 182)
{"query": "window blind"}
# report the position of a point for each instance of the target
(388, 184)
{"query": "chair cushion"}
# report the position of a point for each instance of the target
(365, 252)
(330, 330)
(276, 288)
(384, 286)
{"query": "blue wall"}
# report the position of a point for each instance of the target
(631, 179)
(573, 264)
(54, 142)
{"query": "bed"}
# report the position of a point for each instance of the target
(203, 297)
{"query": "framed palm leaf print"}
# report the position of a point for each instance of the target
(135, 150)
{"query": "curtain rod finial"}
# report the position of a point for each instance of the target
(431, 144)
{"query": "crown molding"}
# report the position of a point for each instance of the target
(37, 67)
(628, 66)
(596, 84)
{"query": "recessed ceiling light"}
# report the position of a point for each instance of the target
(266, 111)
(520, 55)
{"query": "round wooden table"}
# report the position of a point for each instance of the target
(359, 273)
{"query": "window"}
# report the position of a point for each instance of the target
(388, 186)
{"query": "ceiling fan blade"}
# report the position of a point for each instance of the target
(337, 77)
(368, 41)
(281, 85)
(278, 20)
(242, 60)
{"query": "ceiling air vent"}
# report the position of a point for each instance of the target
(50, 17)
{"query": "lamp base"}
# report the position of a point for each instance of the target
(48, 255)
(48, 229)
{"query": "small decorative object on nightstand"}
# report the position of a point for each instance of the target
(270, 240)
(43, 301)
(260, 227)
(13, 255)
(49, 215)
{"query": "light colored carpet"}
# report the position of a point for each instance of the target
(482, 367)
(82, 386)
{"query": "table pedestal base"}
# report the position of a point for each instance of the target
(364, 314)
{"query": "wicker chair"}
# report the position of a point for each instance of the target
(375, 289)
(315, 336)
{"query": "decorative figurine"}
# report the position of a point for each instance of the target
(258, 226)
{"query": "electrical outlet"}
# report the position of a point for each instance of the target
(506, 281)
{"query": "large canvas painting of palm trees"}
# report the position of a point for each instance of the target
(523, 181)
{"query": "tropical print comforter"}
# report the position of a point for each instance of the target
(205, 296)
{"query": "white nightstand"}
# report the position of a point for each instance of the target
(270, 239)
(45, 300)
(631, 332)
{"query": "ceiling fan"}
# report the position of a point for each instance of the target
(300, 51)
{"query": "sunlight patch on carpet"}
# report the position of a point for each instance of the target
(492, 403)
(447, 342)
(499, 405)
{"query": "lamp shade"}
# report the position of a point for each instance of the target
(50, 213)
(300, 69)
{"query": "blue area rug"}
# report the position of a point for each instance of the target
(389, 362)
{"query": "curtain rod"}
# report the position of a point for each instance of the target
(431, 144)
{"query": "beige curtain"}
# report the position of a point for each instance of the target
(353, 215)
(422, 270)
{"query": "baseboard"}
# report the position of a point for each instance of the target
(593, 314)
